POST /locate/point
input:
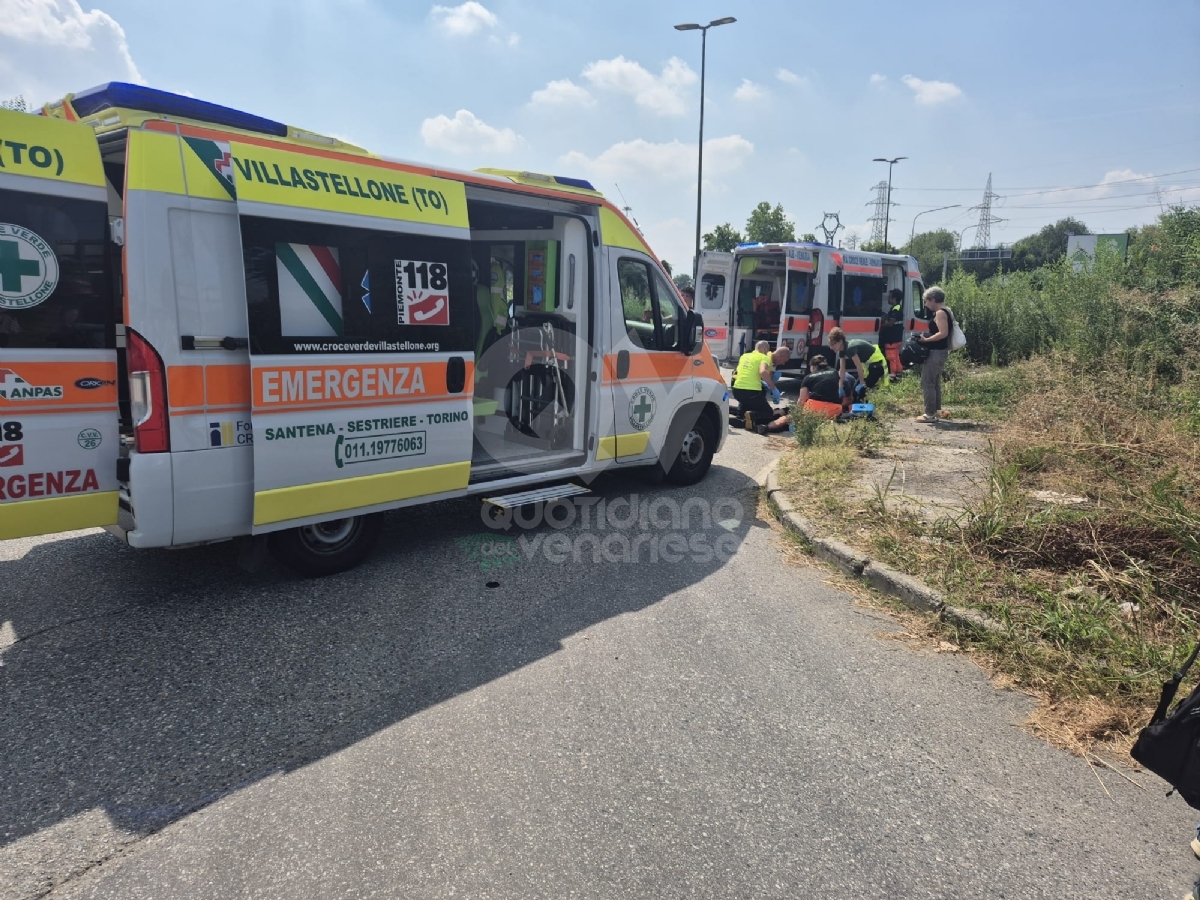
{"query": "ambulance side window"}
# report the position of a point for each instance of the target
(835, 293)
(864, 295)
(637, 302)
(800, 293)
(670, 313)
(712, 291)
(323, 288)
(55, 280)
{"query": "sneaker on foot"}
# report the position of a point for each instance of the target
(926, 419)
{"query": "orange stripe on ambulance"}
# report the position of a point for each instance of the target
(280, 386)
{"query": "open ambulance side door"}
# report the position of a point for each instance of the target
(361, 315)
(59, 426)
(714, 292)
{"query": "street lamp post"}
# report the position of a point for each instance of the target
(703, 29)
(913, 233)
(888, 212)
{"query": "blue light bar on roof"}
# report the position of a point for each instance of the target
(574, 182)
(143, 99)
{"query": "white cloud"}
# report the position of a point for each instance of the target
(667, 160)
(465, 134)
(463, 20)
(563, 92)
(930, 92)
(789, 77)
(51, 47)
(878, 79)
(749, 91)
(662, 94)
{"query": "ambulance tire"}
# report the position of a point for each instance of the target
(327, 547)
(694, 451)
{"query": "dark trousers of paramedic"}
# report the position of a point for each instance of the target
(875, 372)
(755, 402)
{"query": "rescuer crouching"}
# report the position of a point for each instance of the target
(754, 378)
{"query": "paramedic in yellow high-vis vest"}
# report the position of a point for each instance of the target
(754, 377)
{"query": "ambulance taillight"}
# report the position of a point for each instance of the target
(148, 396)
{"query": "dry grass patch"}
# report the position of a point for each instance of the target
(1098, 600)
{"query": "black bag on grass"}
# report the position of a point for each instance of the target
(1170, 745)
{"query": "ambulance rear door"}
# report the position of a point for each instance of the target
(361, 325)
(798, 301)
(59, 427)
(864, 290)
(713, 301)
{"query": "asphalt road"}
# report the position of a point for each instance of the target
(714, 724)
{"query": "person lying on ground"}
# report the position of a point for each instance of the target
(754, 377)
(868, 359)
(819, 390)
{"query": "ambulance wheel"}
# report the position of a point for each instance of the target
(327, 547)
(695, 453)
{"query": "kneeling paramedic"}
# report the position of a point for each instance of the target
(869, 360)
(755, 376)
(819, 391)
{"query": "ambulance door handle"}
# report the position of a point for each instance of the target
(571, 281)
(622, 364)
(198, 342)
(456, 375)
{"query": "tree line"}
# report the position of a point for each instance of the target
(1176, 228)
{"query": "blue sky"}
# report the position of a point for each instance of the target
(799, 97)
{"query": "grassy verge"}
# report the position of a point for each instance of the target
(1085, 543)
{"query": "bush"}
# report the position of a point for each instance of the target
(1143, 314)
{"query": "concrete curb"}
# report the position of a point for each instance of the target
(910, 591)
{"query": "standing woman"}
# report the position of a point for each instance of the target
(937, 342)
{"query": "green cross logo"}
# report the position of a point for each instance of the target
(12, 267)
(28, 268)
(641, 408)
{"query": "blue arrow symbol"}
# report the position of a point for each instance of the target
(366, 286)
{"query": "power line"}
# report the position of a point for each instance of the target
(1154, 193)
(1043, 189)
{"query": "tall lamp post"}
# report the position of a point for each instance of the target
(703, 29)
(888, 211)
(913, 233)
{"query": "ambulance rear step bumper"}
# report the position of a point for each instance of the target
(541, 495)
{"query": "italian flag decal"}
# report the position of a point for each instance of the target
(310, 290)
(216, 158)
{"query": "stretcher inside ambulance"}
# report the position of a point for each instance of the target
(794, 294)
(215, 325)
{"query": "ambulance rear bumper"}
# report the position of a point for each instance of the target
(146, 515)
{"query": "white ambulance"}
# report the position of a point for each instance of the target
(794, 294)
(215, 325)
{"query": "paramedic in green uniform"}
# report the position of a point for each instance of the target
(869, 360)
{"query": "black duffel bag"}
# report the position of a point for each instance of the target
(1170, 745)
(913, 353)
